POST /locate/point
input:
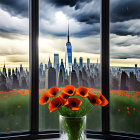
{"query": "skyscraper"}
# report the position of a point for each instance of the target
(4, 71)
(49, 63)
(68, 55)
(62, 68)
(88, 62)
(56, 64)
(41, 69)
(50, 78)
(21, 69)
(75, 67)
(9, 72)
(136, 70)
(75, 61)
(60, 79)
(45, 67)
(56, 61)
(41, 66)
(73, 79)
(81, 63)
(16, 71)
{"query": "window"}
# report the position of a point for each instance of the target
(33, 132)
(69, 44)
(124, 68)
(14, 66)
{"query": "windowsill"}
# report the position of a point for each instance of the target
(60, 139)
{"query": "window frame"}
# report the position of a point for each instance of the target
(34, 132)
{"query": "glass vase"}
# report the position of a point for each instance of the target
(72, 128)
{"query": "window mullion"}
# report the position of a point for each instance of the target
(34, 75)
(105, 63)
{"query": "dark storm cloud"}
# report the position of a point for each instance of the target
(90, 30)
(119, 10)
(87, 18)
(123, 10)
(9, 30)
(125, 56)
(70, 3)
(131, 27)
(15, 8)
(87, 11)
(83, 11)
(123, 47)
(120, 29)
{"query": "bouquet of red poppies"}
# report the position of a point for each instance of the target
(72, 102)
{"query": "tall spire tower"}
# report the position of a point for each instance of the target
(68, 55)
(68, 34)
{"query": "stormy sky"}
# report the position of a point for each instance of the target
(84, 20)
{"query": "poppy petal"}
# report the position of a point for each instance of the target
(55, 104)
(70, 90)
(82, 91)
(45, 98)
(53, 91)
(64, 95)
(74, 103)
(103, 99)
(94, 99)
(64, 98)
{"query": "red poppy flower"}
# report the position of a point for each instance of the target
(45, 98)
(64, 95)
(119, 110)
(127, 108)
(128, 112)
(94, 99)
(103, 99)
(82, 91)
(74, 103)
(19, 106)
(70, 90)
(53, 91)
(134, 109)
(64, 98)
(55, 104)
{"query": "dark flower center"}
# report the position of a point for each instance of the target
(93, 101)
(82, 93)
(56, 105)
(73, 104)
(101, 99)
(46, 99)
(54, 93)
(70, 91)
(65, 96)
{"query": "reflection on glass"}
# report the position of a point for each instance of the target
(14, 67)
(69, 52)
(124, 69)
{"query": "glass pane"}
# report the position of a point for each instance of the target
(69, 51)
(14, 65)
(125, 65)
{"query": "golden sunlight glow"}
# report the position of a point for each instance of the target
(16, 51)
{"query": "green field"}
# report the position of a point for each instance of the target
(124, 112)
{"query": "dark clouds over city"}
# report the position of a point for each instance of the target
(84, 18)
(87, 12)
